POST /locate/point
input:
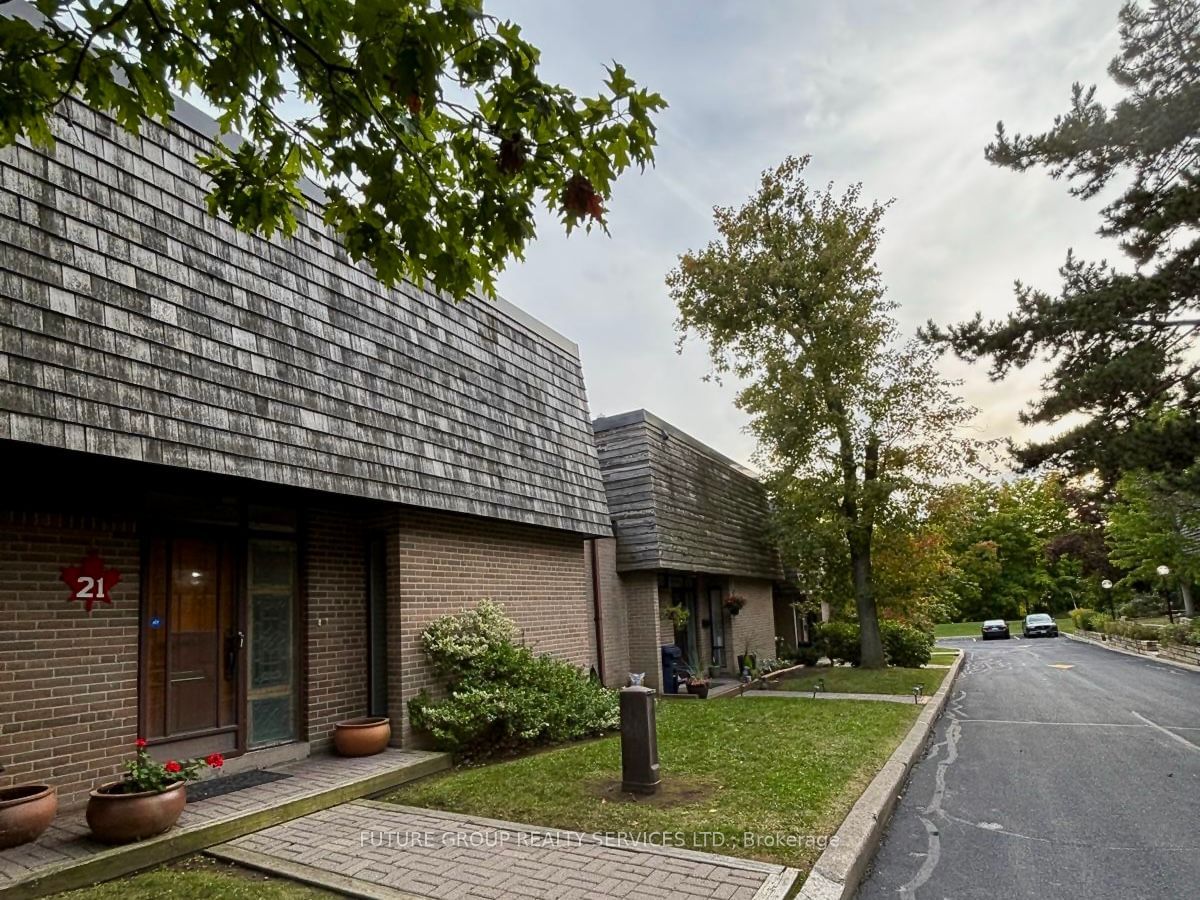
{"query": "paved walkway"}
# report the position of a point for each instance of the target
(380, 850)
(65, 857)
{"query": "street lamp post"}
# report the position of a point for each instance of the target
(1108, 586)
(1163, 572)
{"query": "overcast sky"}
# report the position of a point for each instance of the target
(900, 96)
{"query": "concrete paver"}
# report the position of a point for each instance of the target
(381, 849)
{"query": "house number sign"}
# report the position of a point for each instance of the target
(91, 582)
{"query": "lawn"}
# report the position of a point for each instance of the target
(971, 629)
(776, 767)
(198, 878)
(847, 680)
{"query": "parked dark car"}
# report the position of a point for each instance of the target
(1040, 625)
(995, 628)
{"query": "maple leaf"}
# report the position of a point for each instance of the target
(90, 581)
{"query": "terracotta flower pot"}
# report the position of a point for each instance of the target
(362, 737)
(25, 812)
(118, 818)
(700, 690)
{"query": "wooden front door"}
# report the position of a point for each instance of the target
(191, 642)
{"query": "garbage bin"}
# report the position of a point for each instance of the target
(670, 658)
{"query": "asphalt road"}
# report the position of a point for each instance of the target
(1052, 783)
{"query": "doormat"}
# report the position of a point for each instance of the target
(216, 787)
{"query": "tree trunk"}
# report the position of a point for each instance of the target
(1189, 603)
(870, 640)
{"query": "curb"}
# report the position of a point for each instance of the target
(840, 868)
(1153, 657)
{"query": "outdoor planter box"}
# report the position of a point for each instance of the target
(1184, 653)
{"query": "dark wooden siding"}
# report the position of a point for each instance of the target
(136, 325)
(677, 504)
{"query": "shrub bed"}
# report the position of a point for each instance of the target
(1089, 619)
(904, 645)
(501, 696)
(1185, 633)
(1132, 631)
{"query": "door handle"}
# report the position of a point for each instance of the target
(234, 642)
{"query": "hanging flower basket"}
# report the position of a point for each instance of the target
(678, 615)
(733, 604)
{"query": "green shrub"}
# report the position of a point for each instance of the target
(502, 696)
(1143, 607)
(1082, 617)
(1183, 633)
(1132, 630)
(1089, 619)
(806, 655)
(839, 641)
(467, 644)
(905, 645)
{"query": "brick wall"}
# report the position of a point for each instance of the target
(335, 580)
(68, 680)
(754, 626)
(647, 631)
(614, 608)
(448, 563)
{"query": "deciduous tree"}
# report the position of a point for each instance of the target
(789, 299)
(1150, 525)
(427, 123)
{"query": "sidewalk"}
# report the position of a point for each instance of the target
(387, 852)
(65, 857)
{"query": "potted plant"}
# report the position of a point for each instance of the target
(364, 736)
(733, 604)
(698, 685)
(26, 810)
(147, 801)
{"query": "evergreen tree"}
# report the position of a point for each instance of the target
(1124, 343)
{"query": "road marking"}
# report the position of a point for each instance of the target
(1078, 724)
(1060, 666)
(1171, 734)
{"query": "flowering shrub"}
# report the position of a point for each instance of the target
(461, 643)
(502, 696)
(145, 774)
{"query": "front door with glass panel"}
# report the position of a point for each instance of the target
(191, 636)
(219, 665)
(271, 692)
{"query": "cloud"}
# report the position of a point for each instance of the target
(902, 97)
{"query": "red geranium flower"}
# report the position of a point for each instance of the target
(140, 743)
(215, 760)
(173, 767)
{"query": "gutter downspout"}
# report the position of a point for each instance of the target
(598, 611)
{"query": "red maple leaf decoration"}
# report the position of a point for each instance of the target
(91, 582)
